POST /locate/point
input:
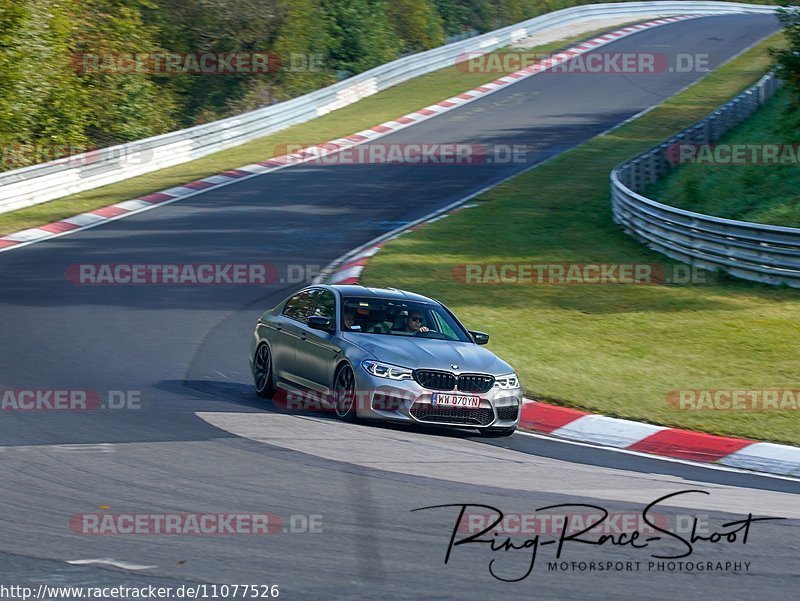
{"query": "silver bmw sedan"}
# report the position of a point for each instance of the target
(382, 354)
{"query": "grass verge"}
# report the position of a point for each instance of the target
(613, 349)
(764, 193)
(389, 104)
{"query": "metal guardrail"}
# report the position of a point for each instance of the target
(40, 183)
(752, 251)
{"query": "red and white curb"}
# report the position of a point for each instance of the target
(164, 197)
(572, 424)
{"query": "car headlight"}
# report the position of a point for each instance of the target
(507, 382)
(385, 370)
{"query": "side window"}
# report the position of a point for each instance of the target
(326, 305)
(290, 308)
(299, 306)
(444, 327)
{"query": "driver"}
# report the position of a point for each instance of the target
(414, 323)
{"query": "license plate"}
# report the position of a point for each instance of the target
(455, 400)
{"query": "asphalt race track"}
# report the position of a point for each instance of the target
(202, 442)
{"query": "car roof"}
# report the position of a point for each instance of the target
(388, 293)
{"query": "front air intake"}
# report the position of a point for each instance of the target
(435, 380)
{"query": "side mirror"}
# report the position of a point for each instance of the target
(318, 322)
(479, 337)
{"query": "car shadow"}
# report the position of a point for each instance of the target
(240, 397)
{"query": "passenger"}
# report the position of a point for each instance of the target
(349, 317)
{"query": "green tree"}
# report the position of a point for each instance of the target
(217, 26)
(360, 34)
(120, 105)
(302, 49)
(513, 11)
(455, 15)
(417, 24)
(789, 59)
(41, 99)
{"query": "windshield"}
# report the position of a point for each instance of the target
(400, 318)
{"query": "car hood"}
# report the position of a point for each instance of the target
(419, 353)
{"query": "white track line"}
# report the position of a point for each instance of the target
(108, 561)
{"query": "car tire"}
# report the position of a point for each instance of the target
(262, 372)
(344, 394)
(497, 432)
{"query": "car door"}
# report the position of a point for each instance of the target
(289, 327)
(316, 350)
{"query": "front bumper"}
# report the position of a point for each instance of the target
(409, 402)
